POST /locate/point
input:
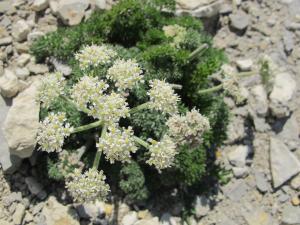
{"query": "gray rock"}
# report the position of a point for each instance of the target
(5, 6)
(284, 164)
(240, 172)
(235, 129)
(20, 30)
(295, 182)
(19, 214)
(39, 5)
(283, 197)
(288, 42)
(225, 8)
(9, 84)
(23, 59)
(34, 35)
(152, 221)
(11, 198)
(91, 211)
(235, 190)
(60, 67)
(290, 133)
(22, 73)
(199, 8)
(239, 20)
(244, 64)
(9, 163)
(130, 218)
(291, 215)
(5, 41)
(22, 122)
(258, 100)
(202, 206)
(56, 213)
(284, 88)
(237, 157)
(35, 187)
(99, 4)
(37, 68)
(261, 182)
(72, 12)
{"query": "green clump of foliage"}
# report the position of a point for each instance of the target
(134, 29)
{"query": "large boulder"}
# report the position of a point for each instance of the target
(72, 12)
(8, 163)
(22, 122)
(199, 8)
(20, 30)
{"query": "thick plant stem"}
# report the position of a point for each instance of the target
(87, 127)
(198, 51)
(141, 142)
(66, 99)
(99, 153)
(138, 108)
(209, 90)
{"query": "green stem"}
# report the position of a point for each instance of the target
(99, 153)
(176, 86)
(65, 98)
(138, 108)
(209, 90)
(87, 127)
(198, 51)
(141, 142)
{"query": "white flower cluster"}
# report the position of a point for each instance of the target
(162, 153)
(88, 95)
(87, 91)
(163, 97)
(52, 132)
(188, 129)
(89, 186)
(117, 144)
(231, 84)
(52, 85)
(125, 73)
(94, 55)
(178, 33)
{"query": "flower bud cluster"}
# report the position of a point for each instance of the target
(52, 85)
(125, 73)
(178, 33)
(87, 91)
(94, 55)
(68, 162)
(162, 153)
(231, 84)
(88, 94)
(188, 129)
(88, 187)
(163, 97)
(117, 144)
(52, 131)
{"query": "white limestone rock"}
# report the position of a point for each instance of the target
(284, 164)
(22, 122)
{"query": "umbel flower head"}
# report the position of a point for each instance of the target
(51, 87)
(162, 153)
(188, 129)
(125, 73)
(52, 132)
(117, 144)
(110, 108)
(178, 33)
(94, 56)
(68, 162)
(231, 84)
(89, 186)
(87, 91)
(163, 97)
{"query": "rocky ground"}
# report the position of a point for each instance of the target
(262, 151)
